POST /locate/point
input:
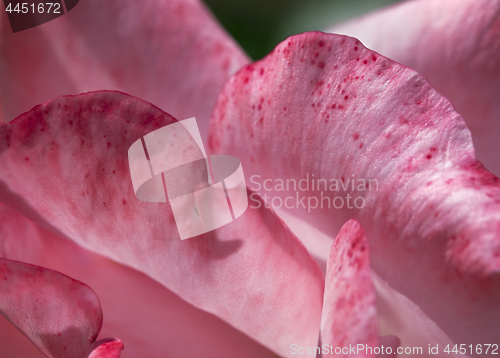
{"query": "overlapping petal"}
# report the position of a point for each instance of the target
(151, 320)
(65, 166)
(109, 349)
(323, 105)
(456, 46)
(61, 316)
(318, 105)
(15, 343)
(350, 318)
(349, 311)
(170, 52)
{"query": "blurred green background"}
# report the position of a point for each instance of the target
(259, 25)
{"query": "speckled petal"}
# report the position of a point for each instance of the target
(65, 166)
(108, 349)
(171, 53)
(61, 316)
(456, 46)
(151, 320)
(349, 310)
(323, 106)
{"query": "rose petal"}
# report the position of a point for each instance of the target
(349, 313)
(61, 316)
(108, 349)
(170, 53)
(456, 46)
(316, 242)
(389, 345)
(400, 320)
(322, 105)
(73, 178)
(150, 319)
(14, 343)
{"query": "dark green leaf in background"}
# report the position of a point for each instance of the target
(259, 25)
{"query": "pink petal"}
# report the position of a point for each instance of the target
(349, 310)
(170, 53)
(152, 321)
(65, 166)
(15, 344)
(315, 241)
(349, 323)
(61, 316)
(109, 349)
(389, 344)
(401, 322)
(324, 105)
(456, 46)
